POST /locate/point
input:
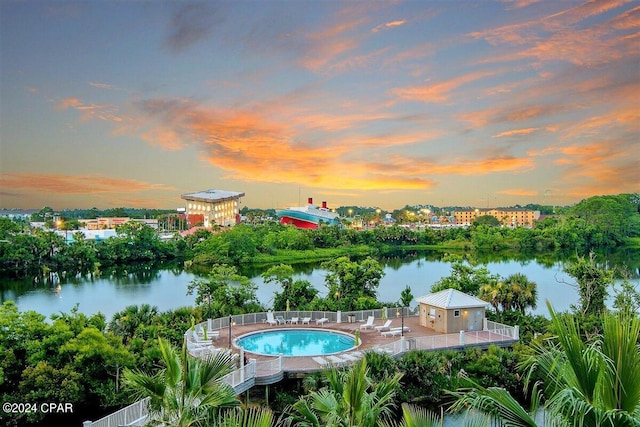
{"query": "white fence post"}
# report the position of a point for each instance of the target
(339, 317)
(516, 332)
(461, 337)
(485, 324)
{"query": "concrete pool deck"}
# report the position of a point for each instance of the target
(416, 337)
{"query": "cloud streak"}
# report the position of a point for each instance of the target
(75, 184)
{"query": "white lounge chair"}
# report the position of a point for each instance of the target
(322, 321)
(350, 357)
(293, 320)
(280, 320)
(369, 324)
(321, 361)
(394, 332)
(270, 320)
(385, 327)
(199, 338)
(306, 320)
(336, 361)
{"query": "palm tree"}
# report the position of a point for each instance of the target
(524, 291)
(187, 391)
(126, 322)
(415, 416)
(350, 399)
(582, 384)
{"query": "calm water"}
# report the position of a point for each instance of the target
(166, 289)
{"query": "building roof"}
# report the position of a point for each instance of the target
(451, 298)
(209, 196)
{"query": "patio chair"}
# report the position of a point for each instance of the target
(321, 361)
(270, 320)
(394, 332)
(385, 327)
(280, 320)
(350, 357)
(336, 360)
(322, 321)
(306, 320)
(369, 324)
(293, 320)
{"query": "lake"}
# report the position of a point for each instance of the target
(166, 288)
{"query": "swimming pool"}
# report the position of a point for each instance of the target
(296, 342)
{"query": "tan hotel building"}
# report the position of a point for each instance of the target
(213, 207)
(512, 217)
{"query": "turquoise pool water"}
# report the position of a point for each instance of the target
(296, 342)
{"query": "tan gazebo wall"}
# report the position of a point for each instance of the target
(445, 322)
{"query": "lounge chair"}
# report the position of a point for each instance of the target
(321, 361)
(322, 321)
(350, 357)
(280, 320)
(369, 324)
(199, 338)
(270, 320)
(335, 360)
(394, 332)
(385, 327)
(293, 320)
(306, 320)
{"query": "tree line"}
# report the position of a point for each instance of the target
(597, 222)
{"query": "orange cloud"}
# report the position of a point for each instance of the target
(75, 184)
(327, 45)
(106, 112)
(519, 192)
(439, 92)
(391, 24)
(516, 132)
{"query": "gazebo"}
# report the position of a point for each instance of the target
(451, 311)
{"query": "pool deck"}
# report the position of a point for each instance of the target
(371, 340)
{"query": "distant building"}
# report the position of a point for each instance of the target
(512, 217)
(213, 207)
(107, 223)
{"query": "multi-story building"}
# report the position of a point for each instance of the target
(213, 207)
(107, 223)
(511, 217)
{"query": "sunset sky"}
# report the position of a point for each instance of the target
(369, 103)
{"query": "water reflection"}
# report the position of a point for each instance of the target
(165, 285)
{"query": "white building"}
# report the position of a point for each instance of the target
(213, 207)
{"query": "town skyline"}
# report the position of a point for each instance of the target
(387, 104)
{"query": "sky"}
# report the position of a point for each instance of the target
(368, 103)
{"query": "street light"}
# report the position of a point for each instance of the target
(231, 322)
(401, 313)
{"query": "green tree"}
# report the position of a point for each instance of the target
(579, 384)
(297, 294)
(126, 322)
(349, 280)
(592, 284)
(349, 399)
(524, 291)
(406, 296)
(225, 292)
(187, 391)
(465, 278)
